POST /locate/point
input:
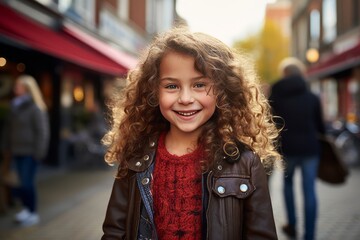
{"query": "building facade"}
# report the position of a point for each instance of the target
(326, 35)
(78, 51)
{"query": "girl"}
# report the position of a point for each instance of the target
(190, 137)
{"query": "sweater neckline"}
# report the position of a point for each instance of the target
(166, 155)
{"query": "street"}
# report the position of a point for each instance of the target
(72, 206)
(338, 211)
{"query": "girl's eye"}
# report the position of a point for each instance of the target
(199, 85)
(171, 86)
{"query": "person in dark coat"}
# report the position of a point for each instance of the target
(300, 117)
(27, 136)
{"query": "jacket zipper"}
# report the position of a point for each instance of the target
(208, 185)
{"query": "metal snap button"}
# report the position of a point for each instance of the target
(221, 189)
(219, 167)
(152, 144)
(146, 157)
(243, 187)
(145, 181)
(138, 164)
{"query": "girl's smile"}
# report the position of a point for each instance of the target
(184, 96)
(187, 114)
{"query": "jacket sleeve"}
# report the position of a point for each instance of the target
(258, 214)
(319, 117)
(42, 133)
(114, 226)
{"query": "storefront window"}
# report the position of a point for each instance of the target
(78, 93)
(66, 93)
(330, 100)
(354, 90)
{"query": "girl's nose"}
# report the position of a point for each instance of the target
(186, 97)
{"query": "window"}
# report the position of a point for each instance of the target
(86, 9)
(64, 5)
(123, 9)
(329, 20)
(314, 27)
(81, 11)
(356, 18)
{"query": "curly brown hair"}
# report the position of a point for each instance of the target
(242, 111)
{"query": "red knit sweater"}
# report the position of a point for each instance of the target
(177, 194)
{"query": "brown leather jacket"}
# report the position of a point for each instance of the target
(236, 201)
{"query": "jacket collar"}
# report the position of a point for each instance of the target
(142, 163)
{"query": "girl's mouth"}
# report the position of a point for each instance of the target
(187, 114)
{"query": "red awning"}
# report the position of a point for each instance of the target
(16, 26)
(336, 64)
(120, 57)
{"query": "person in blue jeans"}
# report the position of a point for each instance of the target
(300, 117)
(27, 138)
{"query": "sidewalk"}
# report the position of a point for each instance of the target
(338, 207)
(72, 206)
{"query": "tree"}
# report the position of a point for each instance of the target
(267, 48)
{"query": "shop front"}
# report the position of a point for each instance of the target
(74, 70)
(339, 80)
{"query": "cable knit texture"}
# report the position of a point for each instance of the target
(177, 194)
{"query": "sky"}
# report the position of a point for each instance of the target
(227, 20)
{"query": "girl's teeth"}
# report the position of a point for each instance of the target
(186, 113)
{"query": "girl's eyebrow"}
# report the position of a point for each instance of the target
(176, 79)
(198, 78)
(168, 78)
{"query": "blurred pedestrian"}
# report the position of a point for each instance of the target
(301, 118)
(190, 138)
(27, 135)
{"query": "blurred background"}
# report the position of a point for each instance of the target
(79, 51)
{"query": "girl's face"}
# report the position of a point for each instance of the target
(186, 97)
